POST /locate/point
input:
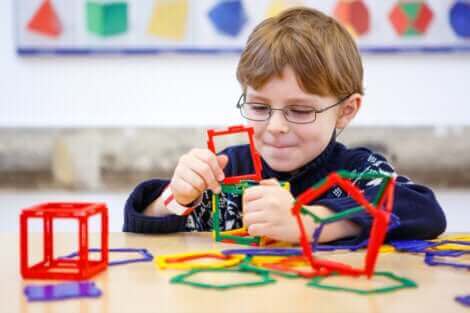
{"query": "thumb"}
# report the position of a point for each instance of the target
(222, 160)
(269, 182)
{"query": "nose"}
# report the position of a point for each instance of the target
(277, 123)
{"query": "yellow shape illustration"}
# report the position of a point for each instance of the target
(169, 19)
(277, 6)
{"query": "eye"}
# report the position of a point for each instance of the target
(258, 107)
(300, 109)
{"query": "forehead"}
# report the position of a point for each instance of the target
(283, 86)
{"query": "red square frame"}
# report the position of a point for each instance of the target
(211, 133)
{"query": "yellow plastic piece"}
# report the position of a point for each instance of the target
(387, 249)
(452, 246)
(169, 19)
(259, 260)
(161, 261)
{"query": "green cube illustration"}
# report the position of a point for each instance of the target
(106, 18)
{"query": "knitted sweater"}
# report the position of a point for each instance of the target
(420, 215)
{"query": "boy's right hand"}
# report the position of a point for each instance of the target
(196, 171)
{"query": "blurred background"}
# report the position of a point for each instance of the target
(96, 96)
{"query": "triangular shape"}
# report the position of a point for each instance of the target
(411, 9)
(46, 21)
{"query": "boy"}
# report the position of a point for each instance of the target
(301, 75)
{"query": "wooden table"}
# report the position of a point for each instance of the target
(141, 288)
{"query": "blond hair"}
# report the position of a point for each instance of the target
(321, 52)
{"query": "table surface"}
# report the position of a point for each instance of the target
(140, 287)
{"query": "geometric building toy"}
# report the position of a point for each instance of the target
(263, 278)
(83, 289)
(464, 300)
(182, 261)
(255, 158)
(106, 19)
(55, 268)
(45, 21)
(146, 256)
(241, 235)
(431, 258)
(380, 211)
(354, 15)
(411, 18)
(402, 283)
(228, 17)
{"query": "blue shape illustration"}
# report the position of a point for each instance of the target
(228, 17)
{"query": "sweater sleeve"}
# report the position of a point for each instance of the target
(134, 219)
(420, 215)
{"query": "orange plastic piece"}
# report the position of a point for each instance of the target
(46, 21)
(254, 154)
(61, 268)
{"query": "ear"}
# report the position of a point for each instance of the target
(348, 110)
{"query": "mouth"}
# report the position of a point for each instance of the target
(279, 146)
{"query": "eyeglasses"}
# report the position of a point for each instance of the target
(297, 114)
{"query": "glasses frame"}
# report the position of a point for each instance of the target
(242, 101)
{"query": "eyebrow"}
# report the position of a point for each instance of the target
(290, 101)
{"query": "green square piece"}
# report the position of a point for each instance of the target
(106, 18)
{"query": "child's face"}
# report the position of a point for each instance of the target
(284, 145)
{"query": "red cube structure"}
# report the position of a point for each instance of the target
(63, 268)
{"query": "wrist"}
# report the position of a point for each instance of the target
(174, 207)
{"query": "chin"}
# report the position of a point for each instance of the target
(282, 165)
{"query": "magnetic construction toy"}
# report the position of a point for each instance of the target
(59, 268)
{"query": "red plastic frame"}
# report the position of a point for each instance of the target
(211, 133)
(67, 269)
(380, 214)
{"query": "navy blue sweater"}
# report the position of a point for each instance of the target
(420, 215)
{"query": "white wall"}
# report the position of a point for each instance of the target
(187, 90)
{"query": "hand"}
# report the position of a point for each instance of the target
(196, 171)
(267, 212)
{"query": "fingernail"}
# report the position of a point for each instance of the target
(218, 189)
(221, 176)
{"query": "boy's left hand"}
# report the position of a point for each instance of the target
(267, 212)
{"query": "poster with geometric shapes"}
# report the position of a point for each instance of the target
(206, 26)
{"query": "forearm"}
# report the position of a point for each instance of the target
(332, 231)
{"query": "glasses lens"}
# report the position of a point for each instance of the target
(300, 115)
(256, 111)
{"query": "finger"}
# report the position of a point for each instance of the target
(258, 229)
(186, 174)
(184, 192)
(269, 182)
(210, 158)
(254, 218)
(222, 160)
(254, 206)
(252, 194)
(204, 171)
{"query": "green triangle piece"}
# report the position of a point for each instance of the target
(411, 9)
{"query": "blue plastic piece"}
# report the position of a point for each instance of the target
(459, 17)
(228, 17)
(84, 289)
(146, 256)
(264, 252)
(465, 300)
(430, 259)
